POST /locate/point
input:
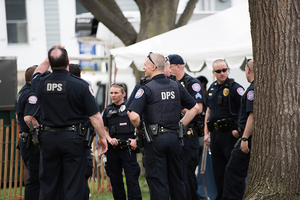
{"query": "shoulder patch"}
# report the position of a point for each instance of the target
(240, 91)
(139, 93)
(250, 95)
(32, 99)
(196, 87)
(91, 90)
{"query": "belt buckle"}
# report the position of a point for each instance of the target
(216, 126)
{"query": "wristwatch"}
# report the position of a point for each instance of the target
(244, 139)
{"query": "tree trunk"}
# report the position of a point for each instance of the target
(274, 164)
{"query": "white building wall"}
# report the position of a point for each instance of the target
(67, 15)
(34, 52)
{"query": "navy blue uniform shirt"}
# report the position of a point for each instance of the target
(218, 100)
(195, 89)
(135, 89)
(65, 99)
(143, 97)
(26, 104)
(246, 106)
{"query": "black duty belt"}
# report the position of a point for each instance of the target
(166, 130)
(66, 128)
(222, 125)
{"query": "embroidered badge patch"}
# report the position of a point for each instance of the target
(240, 91)
(250, 95)
(139, 93)
(32, 99)
(196, 87)
(91, 90)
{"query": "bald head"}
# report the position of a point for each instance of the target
(159, 60)
(58, 58)
(249, 64)
(249, 70)
(219, 61)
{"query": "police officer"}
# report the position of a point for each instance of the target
(65, 102)
(159, 102)
(26, 107)
(121, 152)
(75, 69)
(191, 139)
(223, 102)
(144, 80)
(237, 167)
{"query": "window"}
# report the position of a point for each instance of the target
(16, 21)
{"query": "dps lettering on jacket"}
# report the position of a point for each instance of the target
(167, 95)
(55, 87)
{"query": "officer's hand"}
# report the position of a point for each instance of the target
(113, 141)
(133, 143)
(183, 111)
(244, 147)
(235, 134)
(103, 143)
(207, 140)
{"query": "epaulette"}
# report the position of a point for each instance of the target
(186, 79)
(230, 81)
(145, 80)
(46, 73)
(172, 76)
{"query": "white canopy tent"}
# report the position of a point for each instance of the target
(224, 35)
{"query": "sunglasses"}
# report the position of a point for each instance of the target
(119, 84)
(247, 64)
(167, 59)
(151, 59)
(221, 70)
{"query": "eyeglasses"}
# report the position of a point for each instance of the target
(247, 64)
(221, 70)
(151, 59)
(119, 84)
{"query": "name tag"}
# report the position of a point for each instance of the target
(123, 124)
(58, 87)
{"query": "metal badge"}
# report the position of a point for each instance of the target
(122, 108)
(225, 92)
(182, 83)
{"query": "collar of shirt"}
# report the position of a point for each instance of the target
(158, 76)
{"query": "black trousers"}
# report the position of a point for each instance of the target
(163, 167)
(117, 160)
(235, 175)
(221, 146)
(191, 161)
(62, 164)
(31, 161)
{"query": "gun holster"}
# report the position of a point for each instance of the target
(153, 128)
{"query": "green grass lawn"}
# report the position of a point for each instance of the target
(102, 196)
(108, 195)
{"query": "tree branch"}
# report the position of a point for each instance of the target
(187, 13)
(109, 13)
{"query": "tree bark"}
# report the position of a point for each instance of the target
(156, 17)
(109, 13)
(274, 163)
